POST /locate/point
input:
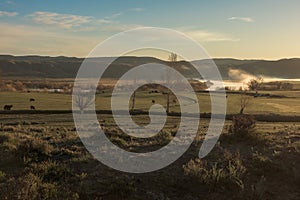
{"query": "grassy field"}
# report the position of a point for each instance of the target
(42, 157)
(288, 104)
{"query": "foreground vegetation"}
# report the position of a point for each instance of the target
(42, 157)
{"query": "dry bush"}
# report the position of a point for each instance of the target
(31, 187)
(34, 149)
(8, 128)
(120, 186)
(242, 125)
(51, 171)
(218, 176)
(4, 138)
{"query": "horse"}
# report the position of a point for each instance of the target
(7, 107)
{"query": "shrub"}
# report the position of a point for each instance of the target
(34, 149)
(2, 176)
(228, 173)
(242, 124)
(26, 187)
(119, 141)
(8, 129)
(3, 138)
(163, 137)
(31, 187)
(51, 171)
(120, 186)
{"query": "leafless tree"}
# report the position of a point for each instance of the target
(168, 103)
(244, 101)
(255, 83)
(172, 59)
(83, 99)
(133, 101)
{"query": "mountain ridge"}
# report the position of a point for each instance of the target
(34, 66)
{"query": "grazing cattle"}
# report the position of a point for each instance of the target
(31, 99)
(32, 108)
(153, 101)
(7, 107)
(174, 101)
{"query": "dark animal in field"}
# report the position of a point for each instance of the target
(153, 101)
(7, 107)
(31, 99)
(153, 91)
(32, 108)
(174, 101)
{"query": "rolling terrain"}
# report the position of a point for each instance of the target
(67, 67)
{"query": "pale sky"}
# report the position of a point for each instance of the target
(260, 29)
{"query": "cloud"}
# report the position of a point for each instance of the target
(103, 21)
(8, 14)
(243, 19)
(10, 2)
(24, 40)
(61, 20)
(113, 16)
(115, 28)
(207, 36)
(137, 9)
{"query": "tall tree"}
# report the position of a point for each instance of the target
(172, 59)
(244, 101)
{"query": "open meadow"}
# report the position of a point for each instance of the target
(273, 102)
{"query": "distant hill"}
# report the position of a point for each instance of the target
(67, 67)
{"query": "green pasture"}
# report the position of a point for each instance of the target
(289, 104)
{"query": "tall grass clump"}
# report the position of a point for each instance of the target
(223, 175)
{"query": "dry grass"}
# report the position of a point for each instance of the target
(44, 159)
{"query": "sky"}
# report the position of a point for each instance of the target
(257, 29)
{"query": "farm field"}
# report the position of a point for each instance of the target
(283, 102)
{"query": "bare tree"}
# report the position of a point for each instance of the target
(168, 103)
(244, 101)
(255, 83)
(172, 59)
(83, 99)
(133, 101)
